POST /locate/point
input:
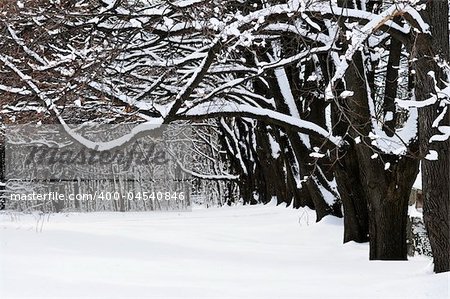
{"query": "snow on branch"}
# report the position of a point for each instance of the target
(25, 48)
(196, 78)
(442, 99)
(210, 110)
(99, 146)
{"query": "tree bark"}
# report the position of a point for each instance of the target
(385, 190)
(390, 92)
(2, 176)
(354, 201)
(346, 166)
(435, 174)
(387, 194)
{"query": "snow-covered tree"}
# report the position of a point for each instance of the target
(432, 55)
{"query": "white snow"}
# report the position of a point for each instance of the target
(389, 116)
(316, 155)
(445, 130)
(414, 103)
(413, 212)
(274, 146)
(432, 155)
(186, 3)
(168, 22)
(346, 94)
(418, 182)
(21, 91)
(238, 252)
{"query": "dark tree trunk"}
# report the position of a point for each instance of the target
(387, 194)
(435, 174)
(300, 194)
(385, 190)
(435, 182)
(390, 92)
(346, 166)
(2, 176)
(275, 181)
(354, 202)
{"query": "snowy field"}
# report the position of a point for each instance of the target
(239, 252)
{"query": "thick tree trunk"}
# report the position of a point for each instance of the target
(387, 194)
(275, 181)
(435, 174)
(436, 182)
(2, 176)
(354, 201)
(346, 167)
(300, 193)
(385, 190)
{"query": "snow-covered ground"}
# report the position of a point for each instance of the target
(238, 252)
